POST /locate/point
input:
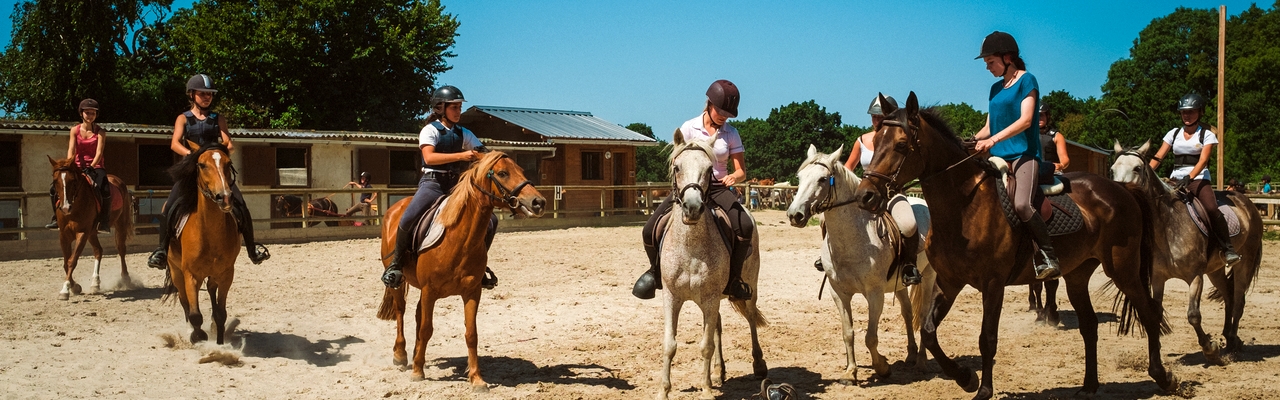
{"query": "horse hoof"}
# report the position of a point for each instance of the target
(760, 369)
(198, 336)
(64, 296)
(481, 388)
(984, 394)
(1083, 394)
(884, 375)
(417, 377)
(848, 382)
(95, 289)
(400, 360)
(972, 385)
(1171, 384)
(75, 289)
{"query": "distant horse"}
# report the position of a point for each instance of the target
(207, 240)
(695, 266)
(291, 206)
(76, 221)
(455, 266)
(972, 242)
(1183, 252)
(857, 256)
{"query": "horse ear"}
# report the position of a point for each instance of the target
(812, 151)
(1119, 148)
(834, 158)
(51, 162)
(677, 137)
(1145, 146)
(913, 105)
(885, 106)
(190, 145)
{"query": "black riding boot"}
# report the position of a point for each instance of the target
(651, 280)
(489, 280)
(159, 258)
(1221, 232)
(737, 289)
(907, 260)
(53, 203)
(393, 277)
(257, 252)
(1046, 263)
(104, 212)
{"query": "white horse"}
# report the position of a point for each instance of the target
(857, 255)
(695, 266)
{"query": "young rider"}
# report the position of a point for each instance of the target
(85, 149)
(1053, 143)
(899, 208)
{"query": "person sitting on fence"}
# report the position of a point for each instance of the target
(366, 199)
(1266, 184)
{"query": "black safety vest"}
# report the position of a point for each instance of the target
(1048, 149)
(202, 132)
(450, 142)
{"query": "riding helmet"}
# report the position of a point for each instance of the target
(723, 95)
(875, 108)
(446, 94)
(1191, 101)
(364, 175)
(88, 104)
(201, 82)
(998, 43)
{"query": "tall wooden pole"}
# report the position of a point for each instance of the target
(1222, 66)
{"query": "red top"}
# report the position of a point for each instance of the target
(86, 148)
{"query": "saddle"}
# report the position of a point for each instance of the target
(427, 233)
(718, 215)
(117, 199)
(1201, 217)
(1061, 214)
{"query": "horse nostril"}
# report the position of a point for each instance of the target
(217, 197)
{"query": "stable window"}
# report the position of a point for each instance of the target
(10, 165)
(529, 163)
(292, 166)
(405, 167)
(592, 168)
(154, 161)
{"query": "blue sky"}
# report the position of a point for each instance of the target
(652, 61)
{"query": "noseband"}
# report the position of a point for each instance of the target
(508, 196)
(890, 182)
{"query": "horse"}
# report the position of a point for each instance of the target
(695, 266)
(76, 221)
(852, 237)
(456, 265)
(972, 242)
(291, 206)
(206, 241)
(1042, 298)
(1183, 253)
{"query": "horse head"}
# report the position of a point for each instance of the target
(818, 176)
(68, 182)
(896, 160)
(691, 174)
(210, 166)
(499, 177)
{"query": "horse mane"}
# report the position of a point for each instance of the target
(184, 182)
(466, 191)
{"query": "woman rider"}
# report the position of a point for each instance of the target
(201, 126)
(1192, 145)
(1012, 132)
(722, 104)
(899, 208)
(85, 149)
(447, 152)
(1053, 144)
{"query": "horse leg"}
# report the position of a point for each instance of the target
(1151, 314)
(1078, 295)
(95, 283)
(1050, 308)
(758, 366)
(426, 307)
(943, 300)
(122, 248)
(992, 305)
(218, 307)
(710, 320)
(717, 357)
(904, 300)
(66, 241)
(1034, 294)
(192, 295)
(398, 355)
(875, 306)
(1232, 290)
(70, 286)
(471, 306)
(850, 375)
(672, 319)
(1210, 348)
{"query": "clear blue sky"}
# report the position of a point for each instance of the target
(651, 61)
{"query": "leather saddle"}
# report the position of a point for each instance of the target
(1053, 203)
(717, 214)
(1201, 217)
(427, 232)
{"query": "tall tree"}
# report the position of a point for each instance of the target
(651, 161)
(963, 118)
(777, 145)
(318, 64)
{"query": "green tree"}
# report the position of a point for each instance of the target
(777, 145)
(651, 161)
(319, 64)
(63, 51)
(963, 118)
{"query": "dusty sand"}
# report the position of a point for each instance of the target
(561, 324)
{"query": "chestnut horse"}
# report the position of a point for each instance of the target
(1183, 252)
(76, 221)
(207, 242)
(972, 243)
(291, 206)
(455, 266)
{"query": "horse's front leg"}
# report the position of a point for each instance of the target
(717, 358)
(191, 291)
(71, 248)
(964, 376)
(471, 304)
(672, 319)
(904, 301)
(423, 315)
(988, 340)
(843, 307)
(875, 306)
(95, 284)
(710, 321)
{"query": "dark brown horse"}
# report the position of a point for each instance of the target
(77, 212)
(973, 244)
(455, 266)
(291, 206)
(207, 242)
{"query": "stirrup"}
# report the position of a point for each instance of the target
(52, 225)
(489, 281)
(1047, 270)
(393, 277)
(159, 259)
(259, 254)
(1230, 256)
(910, 275)
(738, 290)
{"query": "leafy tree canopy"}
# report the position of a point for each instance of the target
(651, 161)
(777, 145)
(963, 118)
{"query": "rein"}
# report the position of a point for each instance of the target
(915, 141)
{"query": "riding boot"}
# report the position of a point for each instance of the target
(1220, 231)
(1046, 264)
(159, 258)
(737, 289)
(907, 260)
(651, 280)
(489, 280)
(393, 276)
(104, 211)
(257, 252)
(53, 203)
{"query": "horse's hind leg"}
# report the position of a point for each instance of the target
(95, 284)
(1034, 294)
(758, 365)
(1211, 349)
(122, 248)
(423, 315)
(398, 355)
(1050, 309)
(471, 305)
(875, 306)
(1078, 295)
(1228, 287)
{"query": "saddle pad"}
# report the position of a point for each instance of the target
(182, 222)
(1050, 184)
(428, 232)
(1066, 217)
(722, 224)
(1233, 220)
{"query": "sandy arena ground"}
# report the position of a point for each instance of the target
(562, 324)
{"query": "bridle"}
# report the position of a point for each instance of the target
(910, 127)
(66, 195)
(508, 196)
(826, 204)
(678, 195)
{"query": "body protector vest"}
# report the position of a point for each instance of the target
(450, 142)
(202, 132)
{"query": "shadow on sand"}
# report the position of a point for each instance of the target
(508, 371)
(321, 353)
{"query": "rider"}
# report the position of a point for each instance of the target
(366, 199)
(1192, 145)
(899, 208)
(1012, 132)
(1053, 143)
(85, 149)
(201, 126)
(447, 151)
(722, 104)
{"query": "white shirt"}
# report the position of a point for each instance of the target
(429, 136)
(727, 143)
(1182, 145)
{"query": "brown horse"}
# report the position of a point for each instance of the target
(291, 206)
(973, 244)
(455, 266)
(207, 242)
(76, 220)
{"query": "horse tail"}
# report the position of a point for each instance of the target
(124, 224)
(1128, 311)
(749, 311)
(392, 302)
(922, 299)
(166, 294)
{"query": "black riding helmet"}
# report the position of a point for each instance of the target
(364, 176)
(1191, 101)
(446, 94)
(875, 108)
(200, 82)
(998, 43)
(88, 104)
(723, 95)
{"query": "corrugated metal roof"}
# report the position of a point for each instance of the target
(560, 124)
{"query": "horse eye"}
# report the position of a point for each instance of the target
(503, 174)
(675, 169)
(900, 146)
